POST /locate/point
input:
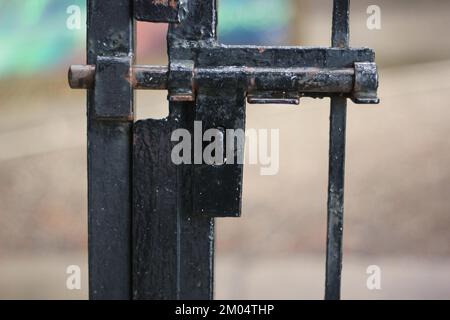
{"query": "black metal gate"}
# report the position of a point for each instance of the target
(151, 222)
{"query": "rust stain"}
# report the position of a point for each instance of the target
(182, 98)
(166, 3)
(174, 4)
(161, 2)
(131, 77)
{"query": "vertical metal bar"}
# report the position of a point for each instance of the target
(110, 33)
(338, 113)
(341, 23)
(196, 232)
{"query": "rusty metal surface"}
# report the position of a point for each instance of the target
(183, 80)
(81, 76)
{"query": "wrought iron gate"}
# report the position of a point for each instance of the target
(151, 222)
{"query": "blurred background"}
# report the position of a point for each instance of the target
(398, 175)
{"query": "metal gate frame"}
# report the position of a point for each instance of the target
(151, 223)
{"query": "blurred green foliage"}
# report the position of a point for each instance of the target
(34, 36)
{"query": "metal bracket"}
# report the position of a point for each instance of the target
(181, 81)
(113, 88)
(366, 83)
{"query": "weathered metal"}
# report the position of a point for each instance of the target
(173, 242)
(359, 83)
(110, 35)
(336, 174)
(113, 91)
(159, 10)
(166, 250)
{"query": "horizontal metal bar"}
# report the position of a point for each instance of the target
(150, 77)
(207, 55)
(315, 80)
(319, 80)
(142, 77)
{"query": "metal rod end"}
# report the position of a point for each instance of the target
(81, 76)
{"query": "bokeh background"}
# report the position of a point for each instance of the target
(398, 174)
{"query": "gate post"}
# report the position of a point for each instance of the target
(110, 46)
